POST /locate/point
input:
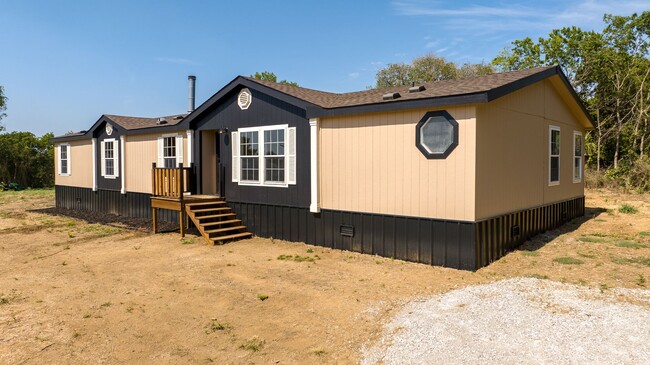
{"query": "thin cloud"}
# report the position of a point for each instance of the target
(178, 61)
(353, 75)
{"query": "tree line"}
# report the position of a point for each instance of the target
(25, 159)
(610, 71)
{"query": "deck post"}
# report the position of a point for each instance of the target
(181, 214)
(154, 219)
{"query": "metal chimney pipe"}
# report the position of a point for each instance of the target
(192, 85)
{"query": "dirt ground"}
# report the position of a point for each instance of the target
(81, 288)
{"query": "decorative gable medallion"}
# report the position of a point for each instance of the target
(109, 129)
(244, 99)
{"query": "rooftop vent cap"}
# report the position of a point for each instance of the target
(161, 121)
(82, 132)
(391, 96)
(416, 89)
(178, 117)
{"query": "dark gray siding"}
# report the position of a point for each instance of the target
(100, 134)
(264, 110)
(137, 205)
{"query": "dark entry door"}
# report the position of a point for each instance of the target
(221, 169)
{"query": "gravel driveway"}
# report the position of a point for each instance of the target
(520, 321)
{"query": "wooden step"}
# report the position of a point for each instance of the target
(220, 230)
(203, 204)
(210, 210)
(215, 216)
(232, 236)
(220, 223)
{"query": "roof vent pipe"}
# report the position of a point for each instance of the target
(192, 86)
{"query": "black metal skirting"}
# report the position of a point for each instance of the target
(498, 235)
(429, 241)
(137, 205)
(454, 244)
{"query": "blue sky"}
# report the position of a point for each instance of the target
(64, 63)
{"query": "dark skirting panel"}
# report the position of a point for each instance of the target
(498, 235)
(429, 241)
(136, 205)
(455, 244)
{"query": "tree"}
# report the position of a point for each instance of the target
(3, 107)
(609, 70)
(270, 76)
(26, 159)
(426, 69)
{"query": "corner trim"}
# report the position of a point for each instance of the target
(122, 160)
(94, 164)
(314, 207)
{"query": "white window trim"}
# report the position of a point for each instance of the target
(582, 144)
(260, 142)
(116, 171)
(179, 149)
(552, 128)
(69, 172)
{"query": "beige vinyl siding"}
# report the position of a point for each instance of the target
(140, 151)
(512, 163)
(81, 165)
(369, 163)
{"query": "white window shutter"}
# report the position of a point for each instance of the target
(58, 158)
(116, 158)
(161, 156)
(291, 156)
(179, 149)
(68, 155)
(235, 156)
(102, 157)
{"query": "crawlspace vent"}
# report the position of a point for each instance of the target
(347, 231)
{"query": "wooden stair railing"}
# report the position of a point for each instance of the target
(216, 222)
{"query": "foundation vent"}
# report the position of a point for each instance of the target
(391, 96)
(346, 231)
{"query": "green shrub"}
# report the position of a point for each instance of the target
(627, 209)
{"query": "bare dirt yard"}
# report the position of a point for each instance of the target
(87, 288)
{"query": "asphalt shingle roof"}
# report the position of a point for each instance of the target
(435, 89)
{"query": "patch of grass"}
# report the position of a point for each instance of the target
(318, 351)
(538, 276)
(600, 220)
(530, 253)
(70, 235)
(215, 326)
(603, 287)
(187, 241)
(634, 260)
(644, 234)
(598, 234)
(641, 280)
(582, 282)
(630, 244)
(309, 250)
(628, 209)
(253, 344)
(565, 260)
(70, 223)
(592, 239)
(4, 300)
(262, 297)
(298, 258)
(587, 255)
(106, 305)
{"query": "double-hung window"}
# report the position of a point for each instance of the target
(64, 159)
(577, 156)
(264, 156)
(109, 158)
(554, 155)
(170, 150)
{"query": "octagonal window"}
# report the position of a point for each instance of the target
(437, 134)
